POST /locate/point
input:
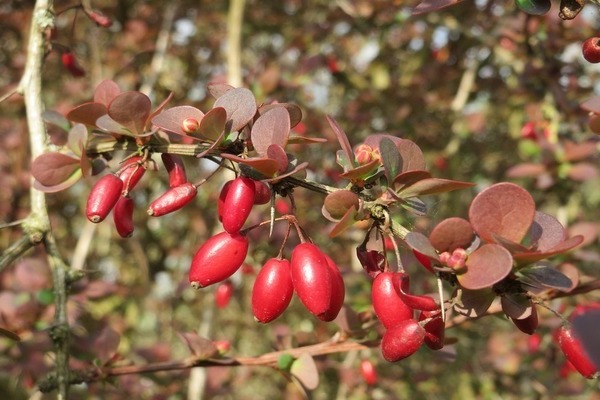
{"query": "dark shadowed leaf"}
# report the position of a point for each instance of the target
(106, 344)
(57, 119)
(545, 232)
(240, 105)
(77, 139)
(305, 370)
(344, 143)
(571, 272)
(200, 347)
(503, 209)
(266, 166)
(526, 170)
(583, 171)
(451, 233)
(528, 324)
(433, 186)
(415, 206)
(547, 276)
(516, 305)
(131, 109)
(338, 202)
(53, 168)
(486, 266)
(218, 89)
(106, 91)
(273, 127)
(293, 110)
(420, 243)
(426, 6)
(345, 222)
(587, 326)
(213, 123)
(87, 113)
(475, 303)
(390, 158)
(171, 120)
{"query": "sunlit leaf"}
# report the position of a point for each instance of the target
(240, 106)
(531, 257)
(213, 123)
(87, 113)
(433, 186)
(295, 139)
(293, 110)
(266, 166)
(305, 370)
(70, 181)
(106, 91)
(503, 209)
(409, 178)
(343, 140)
(546, 232)
(171, 120)
(273, 127)
(486, 266)
(419, 242)
(345, 222)
(131, 109)
(451, 234)
(337, 203)
(53, 168)
(363, 171)
(109, 125)
(277, 153)
(77, 139)
(218, 89)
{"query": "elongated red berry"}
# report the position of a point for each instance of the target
(574, 352)
(417, 302)
(223, 294)
(402, 341)
(173, 199)
(262, 193)
(368, 372)
(103, 197)
(218, 258)
(238, 204)
(338, 291)
(388, 306)
(312, 278)
(221, 201)
(131, 173)
(123, 216)
(176, 169)
(434, 329)
(272, 290)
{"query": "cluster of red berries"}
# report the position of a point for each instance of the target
(112, 193)
(395, 307)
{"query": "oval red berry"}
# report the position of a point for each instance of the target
(402, 341)
(311, 277)
(173, 199)
(123, 216)
(388, 306)
(103, 197)
(272, 290)
(238, 204)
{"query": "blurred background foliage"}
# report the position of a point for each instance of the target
(464, 83)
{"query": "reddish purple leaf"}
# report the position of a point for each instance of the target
(516, 305)
(53, 168)
(409, 178)
(531, 257)
(337, 203)
(87, 113)
(305, 370)
(266, 166)
(171, 120)
(106, 91)
(578, 151)
(451, 234)
(294, 139)
(433, 186)
(273, 127)
(77, 139)
(546, 276)
(105, 345)
(213, 123)
(486, 266)
(546, 232)
(240, 105)
(345, 222)
(160, 107)
(295, 170)
(475, 303)
(200, 347)
(109, 125)
(293, 110)
(411, 154)
(526, 170)
(277, 153)
(218, 89)
(60, 186)
(343, 140)
(363, 171)
(420, 243)
(131, 109)
(582, 172)
(503, 209)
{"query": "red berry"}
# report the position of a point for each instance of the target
(262, 193)
(434, 329)
(238, 204)
(312, 278)
(176, 169)
(123, 216)
(131, 173)
(534, 342)
(218, 258)
(223, 294)
(100, 19)
(272, 290)
(402, 341)
(338, 291)
(103, 197)
(591, 50)
(388, 306)
(221, 201)
(574, 352)
(282, 206)
(70, 63)
(173, 199)
(368, 372)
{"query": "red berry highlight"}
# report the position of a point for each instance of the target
(262, 193)
(388, 306)
(103, 197)
(312, 278)
(338, 291)
(217, 259)
(574, 352)
(238, 204)
(591, 50)
(173, 199)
